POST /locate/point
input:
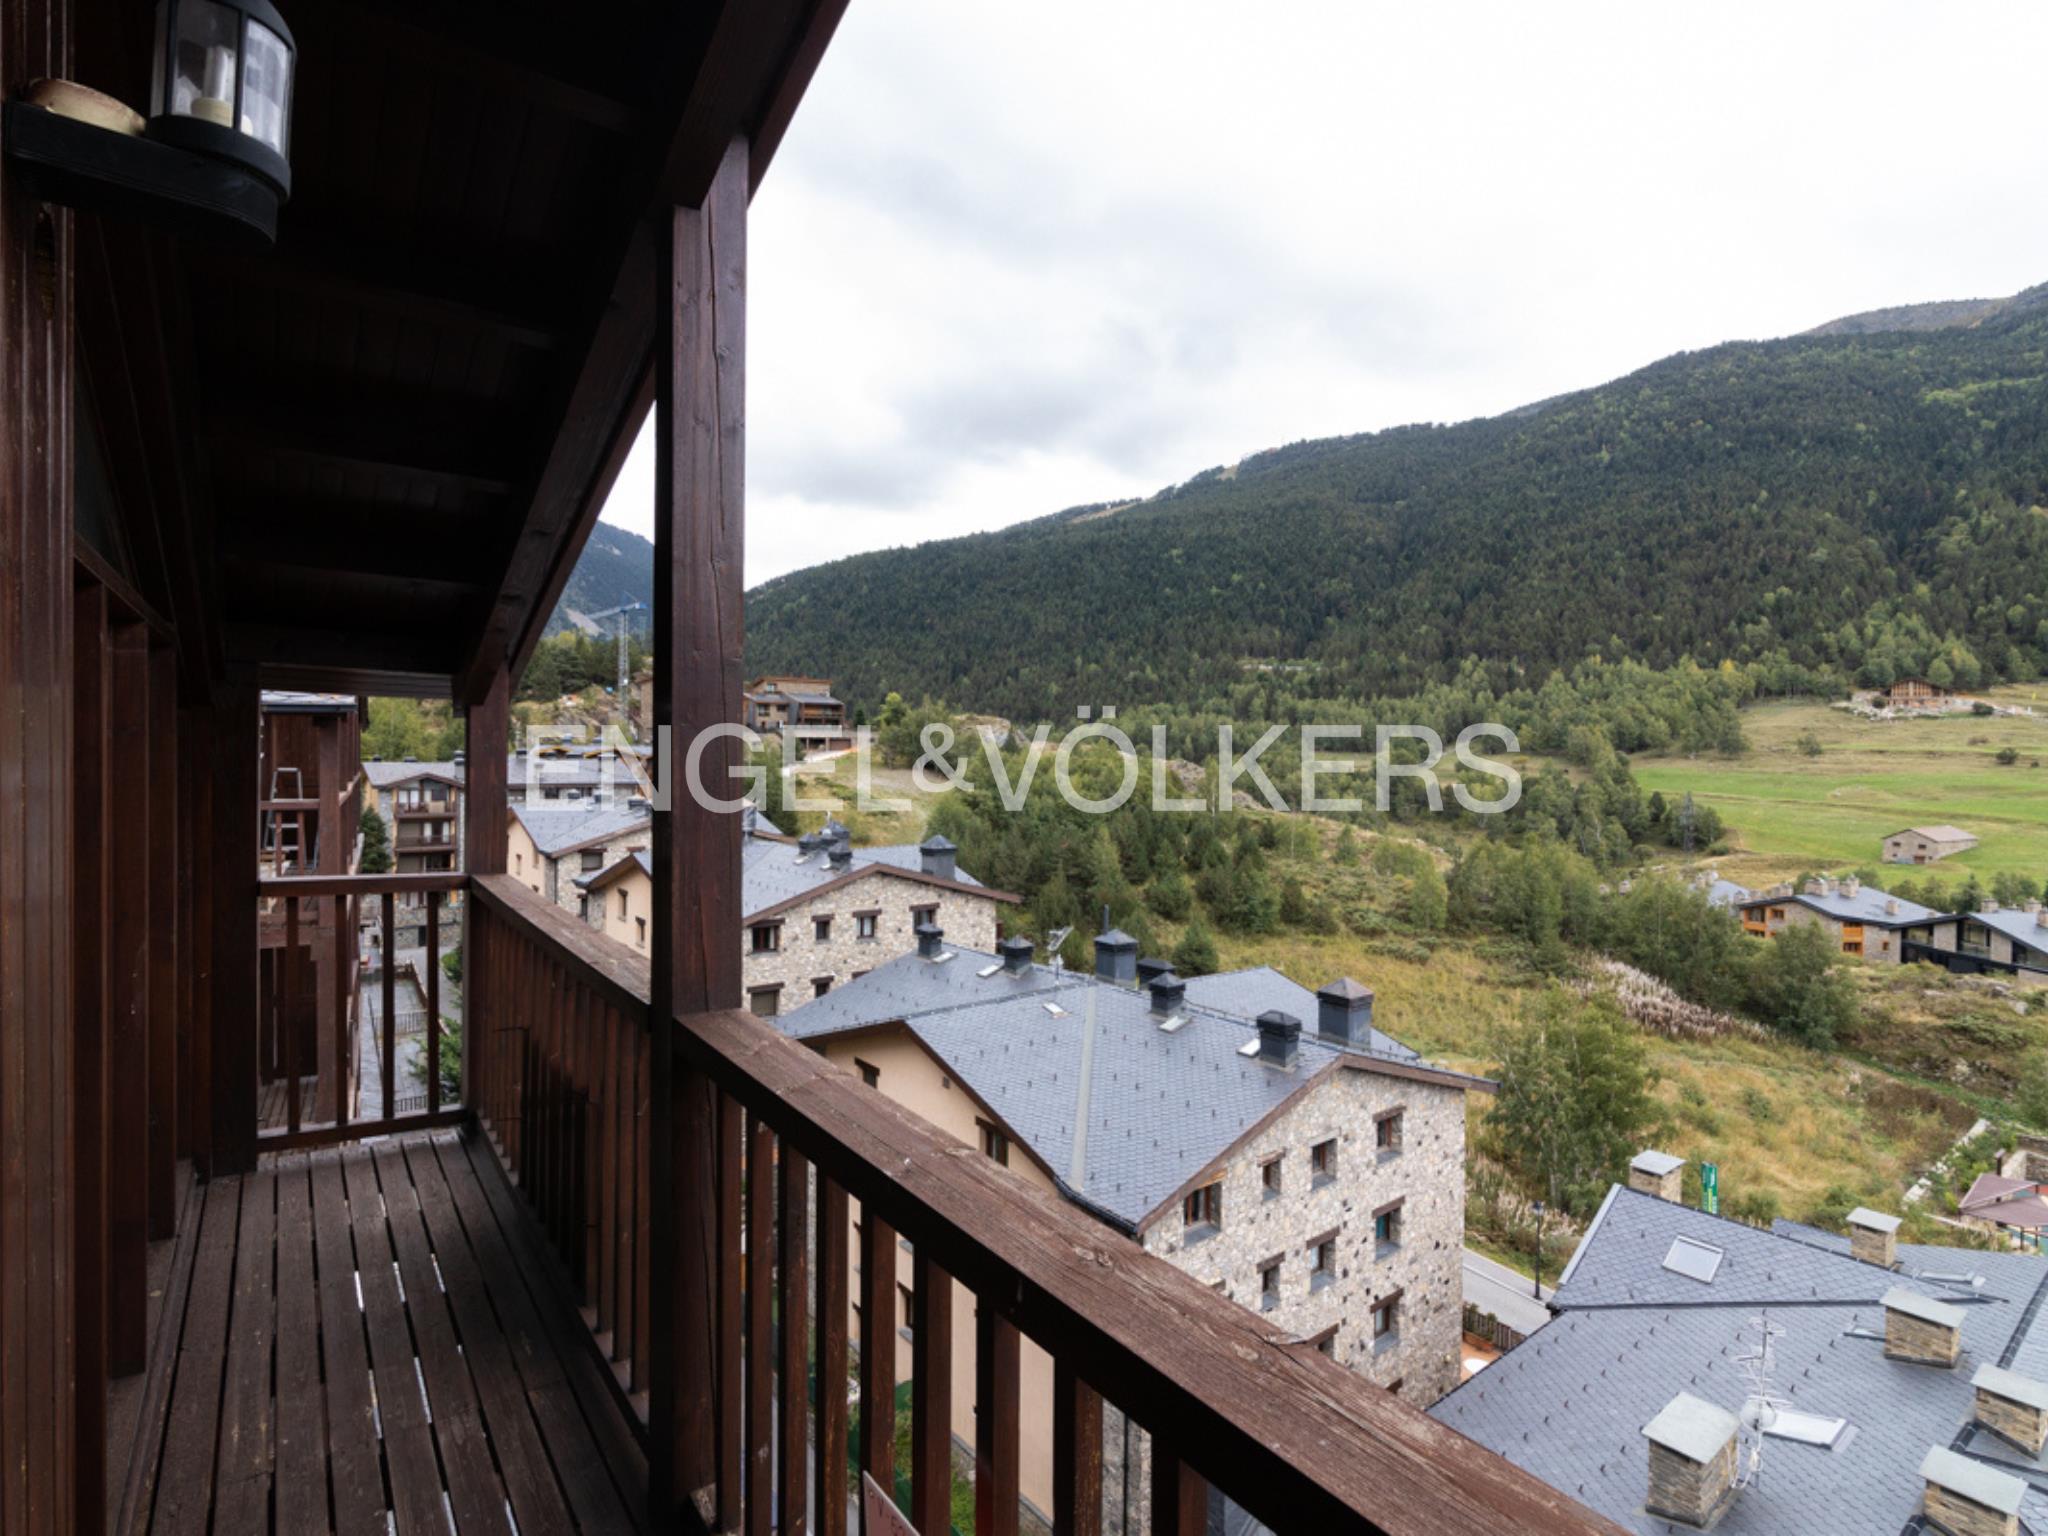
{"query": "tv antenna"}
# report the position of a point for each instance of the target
(1761, 1406)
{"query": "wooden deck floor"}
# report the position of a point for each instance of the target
(366, 1341)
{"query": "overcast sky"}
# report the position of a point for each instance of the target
(1013, 258)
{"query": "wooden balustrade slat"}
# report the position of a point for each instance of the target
(1180, 1499)
(829, 1505)
(728, 1425)
(348, 1006)
(931, 1395)
(590, 1137)
(877, 1349)
(643, 1205)
(997, 1421)
(1076, 1453)
(390, 1011)
(793, 1274)
(288, 1014)
(760, 1326)
(433, 1001)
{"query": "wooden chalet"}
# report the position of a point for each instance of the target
(571, 1291)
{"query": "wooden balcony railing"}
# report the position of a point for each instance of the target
(771, 1143)
(315, 1029)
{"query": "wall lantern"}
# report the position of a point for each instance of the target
(212, 159)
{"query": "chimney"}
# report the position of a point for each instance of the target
(1921, 1330)
(936, 856)
(1988, 905)
(1279, 1038)
(842, 856)
(930, 936)
(1692, 1461)
(1891, 906)
(2041, 918)
(1150, 968)
(1657, 1173)
(637, 804)
(1969, 1498)
(375, 758)
(1016, 955)
(1167, 991)
(2013, 1407)
(1344, 1013)
(2031, 907)
(460, 755)
(1874, 1237)
(410, 758)
(809, 844)
(1116, 957)
(1851, 886)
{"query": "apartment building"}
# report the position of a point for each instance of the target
(1863, 922)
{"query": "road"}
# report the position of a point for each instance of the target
(1493, 1287)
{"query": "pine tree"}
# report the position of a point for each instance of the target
(1195, 955)
(376, 844)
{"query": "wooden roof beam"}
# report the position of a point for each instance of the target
(429, 443)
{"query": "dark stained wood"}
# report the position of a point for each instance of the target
(387, 1015)
(310, 886)
(433, 1002)
(931, 1400)
(232, 1050)
(997, 1423)
(355, 1468)
(759, 1438)
(728, 1406)
(793, 1277)
(166, 944)
(88, 1092)
(298, 1431)
(1180, 1499)
(1076, 1453)
(1243, 1407)
(828, 1504)
(196, 909)
(486, 724)
(803, 63)
(246, 1456)
(128, 1003)
(288, 1015)
(878, 1324)
(184, 1492)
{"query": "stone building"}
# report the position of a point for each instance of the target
(818, 911)
(1266, 1139)
(549, 846)
(1923, 845)
(1864, 922)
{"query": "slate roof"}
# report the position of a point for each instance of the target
(1630, 1336)
(1726, 893)
(556, 826)
(1941, 834)
(1121, 1112)
(384, 773)
(771, 873)
(1866, 906)
(2017, 924)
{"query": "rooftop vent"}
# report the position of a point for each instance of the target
(1168, 991)
(1344, 1012)
(1279, 1038)
(1016, 955)
(1692, 1461)
(2013, 1407)
(1657, 1173)
(936, 856)
(637, 804)
(1969, 1498)
(930, 936)
(808, 844)
(1116, 957)
(1920, 1329)
(842, 856)
(1150, 967)
(1874, 1237)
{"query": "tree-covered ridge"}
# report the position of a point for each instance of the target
(1837, 506)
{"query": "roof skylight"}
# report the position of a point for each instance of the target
(1694, 1260)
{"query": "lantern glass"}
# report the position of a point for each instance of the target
(205, 57)
(266, 87)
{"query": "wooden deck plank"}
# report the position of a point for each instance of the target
(415, 1480)
(184, 1496)
(301, 1415)
(354, 1459)
(474, 1493)
(537, 1503)
(242, 1466)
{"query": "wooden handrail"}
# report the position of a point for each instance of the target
(361, 885)
(1293, 1437)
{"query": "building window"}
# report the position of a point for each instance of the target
(1202, 1211)
(920, 915)
(820, 985)
(866, 924)
(625, 904)
(583, 907)
(1269, 1178)
(518, 863)
(763, 1000)
(821, 930)
(1777, 914)
(1326, 1343)
(593, 860)
(1269, 1284)
(766, 938)
(641, 923)
(1386, 1320)
(1322, 1163)
(1387, 1132)
(1386, 1228)
(906, 1308)
(871, 1075)
(1322, 1261)
(994, 1143)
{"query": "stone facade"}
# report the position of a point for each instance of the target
(1965, 1517)
(553, 877)
(802, 961)
(1866, 941)
(1919, 1340)
(1690, 1491)
(2021, 1423)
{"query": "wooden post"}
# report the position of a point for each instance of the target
(931, 1401)
(166, 936)
(195, 897)
(92, 682)
(1076, 1453)
(700, 430)
(486, 727)
(232, 1094)
(127, 876)
(997, 1422)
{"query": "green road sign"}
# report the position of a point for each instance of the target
(1710, 1189)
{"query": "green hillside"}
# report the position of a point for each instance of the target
(1855, 502)
(615, 568)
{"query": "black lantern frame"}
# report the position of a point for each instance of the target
(228, 141)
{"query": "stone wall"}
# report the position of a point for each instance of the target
(1915, 1339)
(1688, 1490)
(2019, 1423)
(969, 922)
(1965, 1517)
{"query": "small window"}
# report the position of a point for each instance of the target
(1386, 1227)
(1386, 1319)
(906, 1308)
(1269, 1285)
(1326, 1343)
(518, 863)
(583, 907)
(593, 860)
(1269, 1178)
(626, 905)
(865, 925)
(1387, 1132)
(1322, 1262)
(994, 1143)
(821, 930)
(871, 1075)
(1396, 1384)
(1202, 1211)
(764, 1001)
(765, 938)
(1322, 1162)
(1777, 914)
(820, 985)
(927, 914)
(641, 924)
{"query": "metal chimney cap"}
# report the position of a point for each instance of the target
(937, 843)
(1345, 990)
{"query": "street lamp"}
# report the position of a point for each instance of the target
(1537, 1207)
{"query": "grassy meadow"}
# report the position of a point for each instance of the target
(1787, 812)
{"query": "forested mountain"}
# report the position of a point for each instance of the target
(615, 568)
(1861, 501)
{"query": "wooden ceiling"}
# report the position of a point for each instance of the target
(398, 425)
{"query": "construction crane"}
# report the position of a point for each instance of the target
(619, 613)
